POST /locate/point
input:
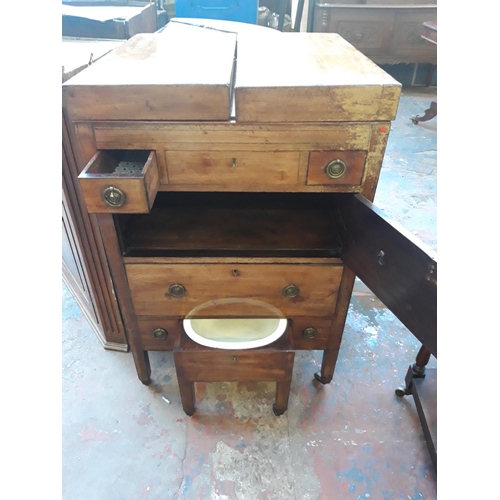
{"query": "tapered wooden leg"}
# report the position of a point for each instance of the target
(282, 394)
(142, 365)
(327, 366)
(186, 389)
(331, 353)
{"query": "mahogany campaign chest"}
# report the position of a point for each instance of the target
(226, 184)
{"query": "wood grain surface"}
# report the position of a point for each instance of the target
(184, 72)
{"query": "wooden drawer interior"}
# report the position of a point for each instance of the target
(120, 181)
(193, 224)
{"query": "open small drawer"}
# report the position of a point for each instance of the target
(120, 181)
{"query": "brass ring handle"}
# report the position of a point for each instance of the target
(336, 168)
(113, 196)
(176, 290)
(291, 291)
(309, 333)
(160, 333)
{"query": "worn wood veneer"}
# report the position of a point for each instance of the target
(245, 216)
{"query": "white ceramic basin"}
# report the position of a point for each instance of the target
(235, 333)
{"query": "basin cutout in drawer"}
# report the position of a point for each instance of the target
(330, 168)
(242, 167)
(120, 181)
(235, 333)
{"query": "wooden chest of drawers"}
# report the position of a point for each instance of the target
(225, 186)
(386, 31)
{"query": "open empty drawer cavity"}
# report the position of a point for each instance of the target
(120, 181)
(232, 225)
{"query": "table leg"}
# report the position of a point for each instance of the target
(417, 370)
(186, 389)
(282, 394)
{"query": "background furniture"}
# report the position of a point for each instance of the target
(421, 383)
(229, 10)
(429, 34)
(387, 31)
(84, 267)
(111, 20)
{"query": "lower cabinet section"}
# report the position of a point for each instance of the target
(163, 333)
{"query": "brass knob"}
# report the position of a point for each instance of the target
(291, 291)
(177, 290)
(160, 334)
(336, 168)
(309, 333)
(113, 196)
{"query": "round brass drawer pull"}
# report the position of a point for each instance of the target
(336, 168)
(177, 290)
(113, 196)
(309, 333)
(160, 334)
(291, 291)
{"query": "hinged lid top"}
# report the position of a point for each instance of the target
(182, 73)
(311, 77)
(186, 73)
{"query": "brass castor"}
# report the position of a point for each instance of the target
(400, 392)
(319, 378)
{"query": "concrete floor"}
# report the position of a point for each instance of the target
(351, 439)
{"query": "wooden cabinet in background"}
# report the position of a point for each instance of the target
(388, 32)
(84, 265)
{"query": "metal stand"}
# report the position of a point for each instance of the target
(421, 383)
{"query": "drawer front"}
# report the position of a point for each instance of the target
(232, 167)
(407, 33)
(120, 182)
(233, 290)
(310, 333)
(159, 334)
(227, 366)
(330, 168)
